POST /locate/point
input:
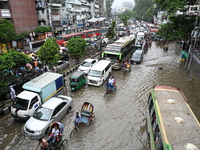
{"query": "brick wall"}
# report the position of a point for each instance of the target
(24, 15)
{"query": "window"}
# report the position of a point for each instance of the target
(33, 101)
(58, 108)
(150, 101)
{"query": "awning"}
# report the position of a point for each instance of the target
(93, 20)
(101, 19)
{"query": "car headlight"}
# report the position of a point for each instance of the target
(37, 131)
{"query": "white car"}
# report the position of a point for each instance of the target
(51, 111)
(86, 65)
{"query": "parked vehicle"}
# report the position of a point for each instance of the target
(51, 111)
(36, 92)
(99, 73)
(137, 57)
(77, 80)
(62, 64)
(86, 65)
(170, 120)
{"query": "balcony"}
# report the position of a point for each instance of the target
(5, 13)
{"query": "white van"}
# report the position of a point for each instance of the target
(99, 73)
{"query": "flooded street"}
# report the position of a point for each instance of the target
(120, 118)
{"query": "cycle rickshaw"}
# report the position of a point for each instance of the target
(61, 142)
(87, 116)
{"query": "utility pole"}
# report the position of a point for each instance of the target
(50, 17)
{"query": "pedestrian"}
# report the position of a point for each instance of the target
(44, 143)
(12, 92)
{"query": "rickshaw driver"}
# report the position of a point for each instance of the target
(77, 120)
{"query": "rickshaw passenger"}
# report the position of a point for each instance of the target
(77, 120)
(54, 135)
(111, 81)
(61, 127)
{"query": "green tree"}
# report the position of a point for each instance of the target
(49, 52)
(7, 31)
(144, 10)
(179, 27)
(76, 47)
(108, 7)
(173, 5)
(42, 29)
(10, 60)
(124, 18)
(111, 30)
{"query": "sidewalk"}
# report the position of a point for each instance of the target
(6, 110)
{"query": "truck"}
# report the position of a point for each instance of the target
(36, 92)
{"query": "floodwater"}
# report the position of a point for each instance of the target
(120, 118)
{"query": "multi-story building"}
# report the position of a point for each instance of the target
(127, 5)
(21, 13)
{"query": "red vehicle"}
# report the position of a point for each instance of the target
(67, 37)
(90, 33)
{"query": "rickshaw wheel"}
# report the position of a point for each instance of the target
(73, 132)
(63, 144)
(92, 119)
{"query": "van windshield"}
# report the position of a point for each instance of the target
(95, 73)
(21, 104)
(42, 113)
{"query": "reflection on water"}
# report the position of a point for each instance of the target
(120, 117)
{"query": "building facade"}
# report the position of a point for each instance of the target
(21, 13)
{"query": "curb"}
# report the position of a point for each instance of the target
(5, 111)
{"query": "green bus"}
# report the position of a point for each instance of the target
(117, 51)
(171, 123)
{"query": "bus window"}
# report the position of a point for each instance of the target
(158, 141)
(150, 103)
(153, 120)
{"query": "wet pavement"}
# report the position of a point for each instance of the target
(120, 118)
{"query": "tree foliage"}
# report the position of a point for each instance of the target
(124, 18)
(49, 52)
(76, 47)
(42, 29)
(7, 31)
(108, 7)
(111, 30)
(10, 60)
(173, 5)
(179, 27)
(144, 10)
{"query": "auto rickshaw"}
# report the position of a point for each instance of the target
(77, 80)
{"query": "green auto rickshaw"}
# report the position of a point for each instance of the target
(77, 80)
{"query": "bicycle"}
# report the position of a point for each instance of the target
(108, 90)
